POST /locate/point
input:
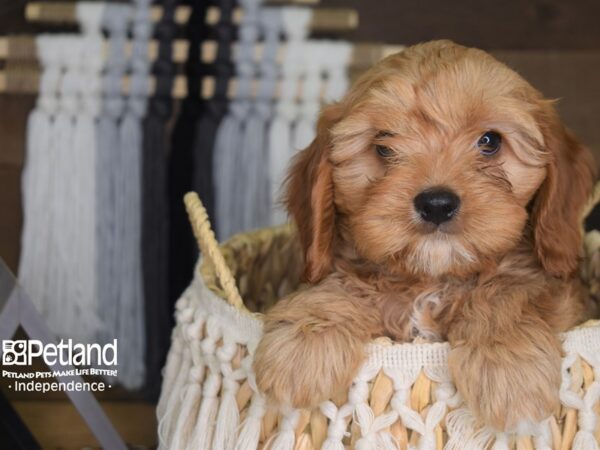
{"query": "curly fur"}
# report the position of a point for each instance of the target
(498, 281)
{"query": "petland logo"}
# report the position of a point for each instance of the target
(22, 353)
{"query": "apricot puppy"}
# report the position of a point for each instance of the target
(441, 198)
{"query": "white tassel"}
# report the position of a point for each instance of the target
(337, 424)
(64, 314)
(463, 435)
(585, 440)
(179, 362)
(304, 131)
(85, 141)
(332, 444)
(188, 411)
(131, 300)
(205, 425)
(336, 69)
(543, 438)
(588, 420)
(250, 431)
(228, 145)
(174, 356)
(295, 24)
(286, 438)
(279, 139)
(168, 422)
(228, 418)
(256, 192)
(254, 188)
(501, 442)
(372, 428)
(109, 263)
(192, 392)
(170, 372)
(230, 173)
(36, 183)
(203, 431)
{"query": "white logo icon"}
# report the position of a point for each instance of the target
(14, 353)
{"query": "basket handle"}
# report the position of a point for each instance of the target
(210, 248)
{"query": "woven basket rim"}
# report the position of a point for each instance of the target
(382, 350)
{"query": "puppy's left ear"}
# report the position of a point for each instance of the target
(561, 199)
(310, 198)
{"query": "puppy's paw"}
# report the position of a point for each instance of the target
(304, 367)
(503, 388)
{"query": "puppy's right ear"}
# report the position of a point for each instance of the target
(309, 198)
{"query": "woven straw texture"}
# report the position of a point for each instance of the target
(402, 398)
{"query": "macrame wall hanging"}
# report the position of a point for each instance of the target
(229, 143)
(109, 264)
(215, 108)
(155, 208)
(82, 184)
(37, 175)
(131, 327)
(61, 286)
(83, 159)
(254, 200)
(295, 24)
(313, 61)
(336, 65)
(107, 181)
(59, 240)
(182, 252)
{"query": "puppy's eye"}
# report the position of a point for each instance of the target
(383, 151)
(489, 143)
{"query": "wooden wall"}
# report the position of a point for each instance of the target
(488, 24)
(555, 44)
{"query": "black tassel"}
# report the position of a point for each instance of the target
(214, 111)
(155, 211)
(182, 245)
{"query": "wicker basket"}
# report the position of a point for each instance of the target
(403, 396)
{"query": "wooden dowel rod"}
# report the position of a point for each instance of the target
(323, 19)
(27, 82)
(363, 54)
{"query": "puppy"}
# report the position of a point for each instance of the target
(441, 198)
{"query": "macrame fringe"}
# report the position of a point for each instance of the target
(585, 440)
(331, 444)
(249, 435)
(286, 438)
(130, 301)
(228, 421)
(167, 424)
(463, 434)
(85, 153)
(186, 421)
(228, 145)
(205, 425)
(64, 316)
(109, 262)
(36, 181)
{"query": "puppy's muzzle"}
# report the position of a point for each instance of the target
(437, 205)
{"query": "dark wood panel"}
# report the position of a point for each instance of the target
(13, 121)
(488, 24)
(12, 18)
(571, 77)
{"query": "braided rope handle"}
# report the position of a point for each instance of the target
(210, 248)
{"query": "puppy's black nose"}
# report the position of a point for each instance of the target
(437, 205)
